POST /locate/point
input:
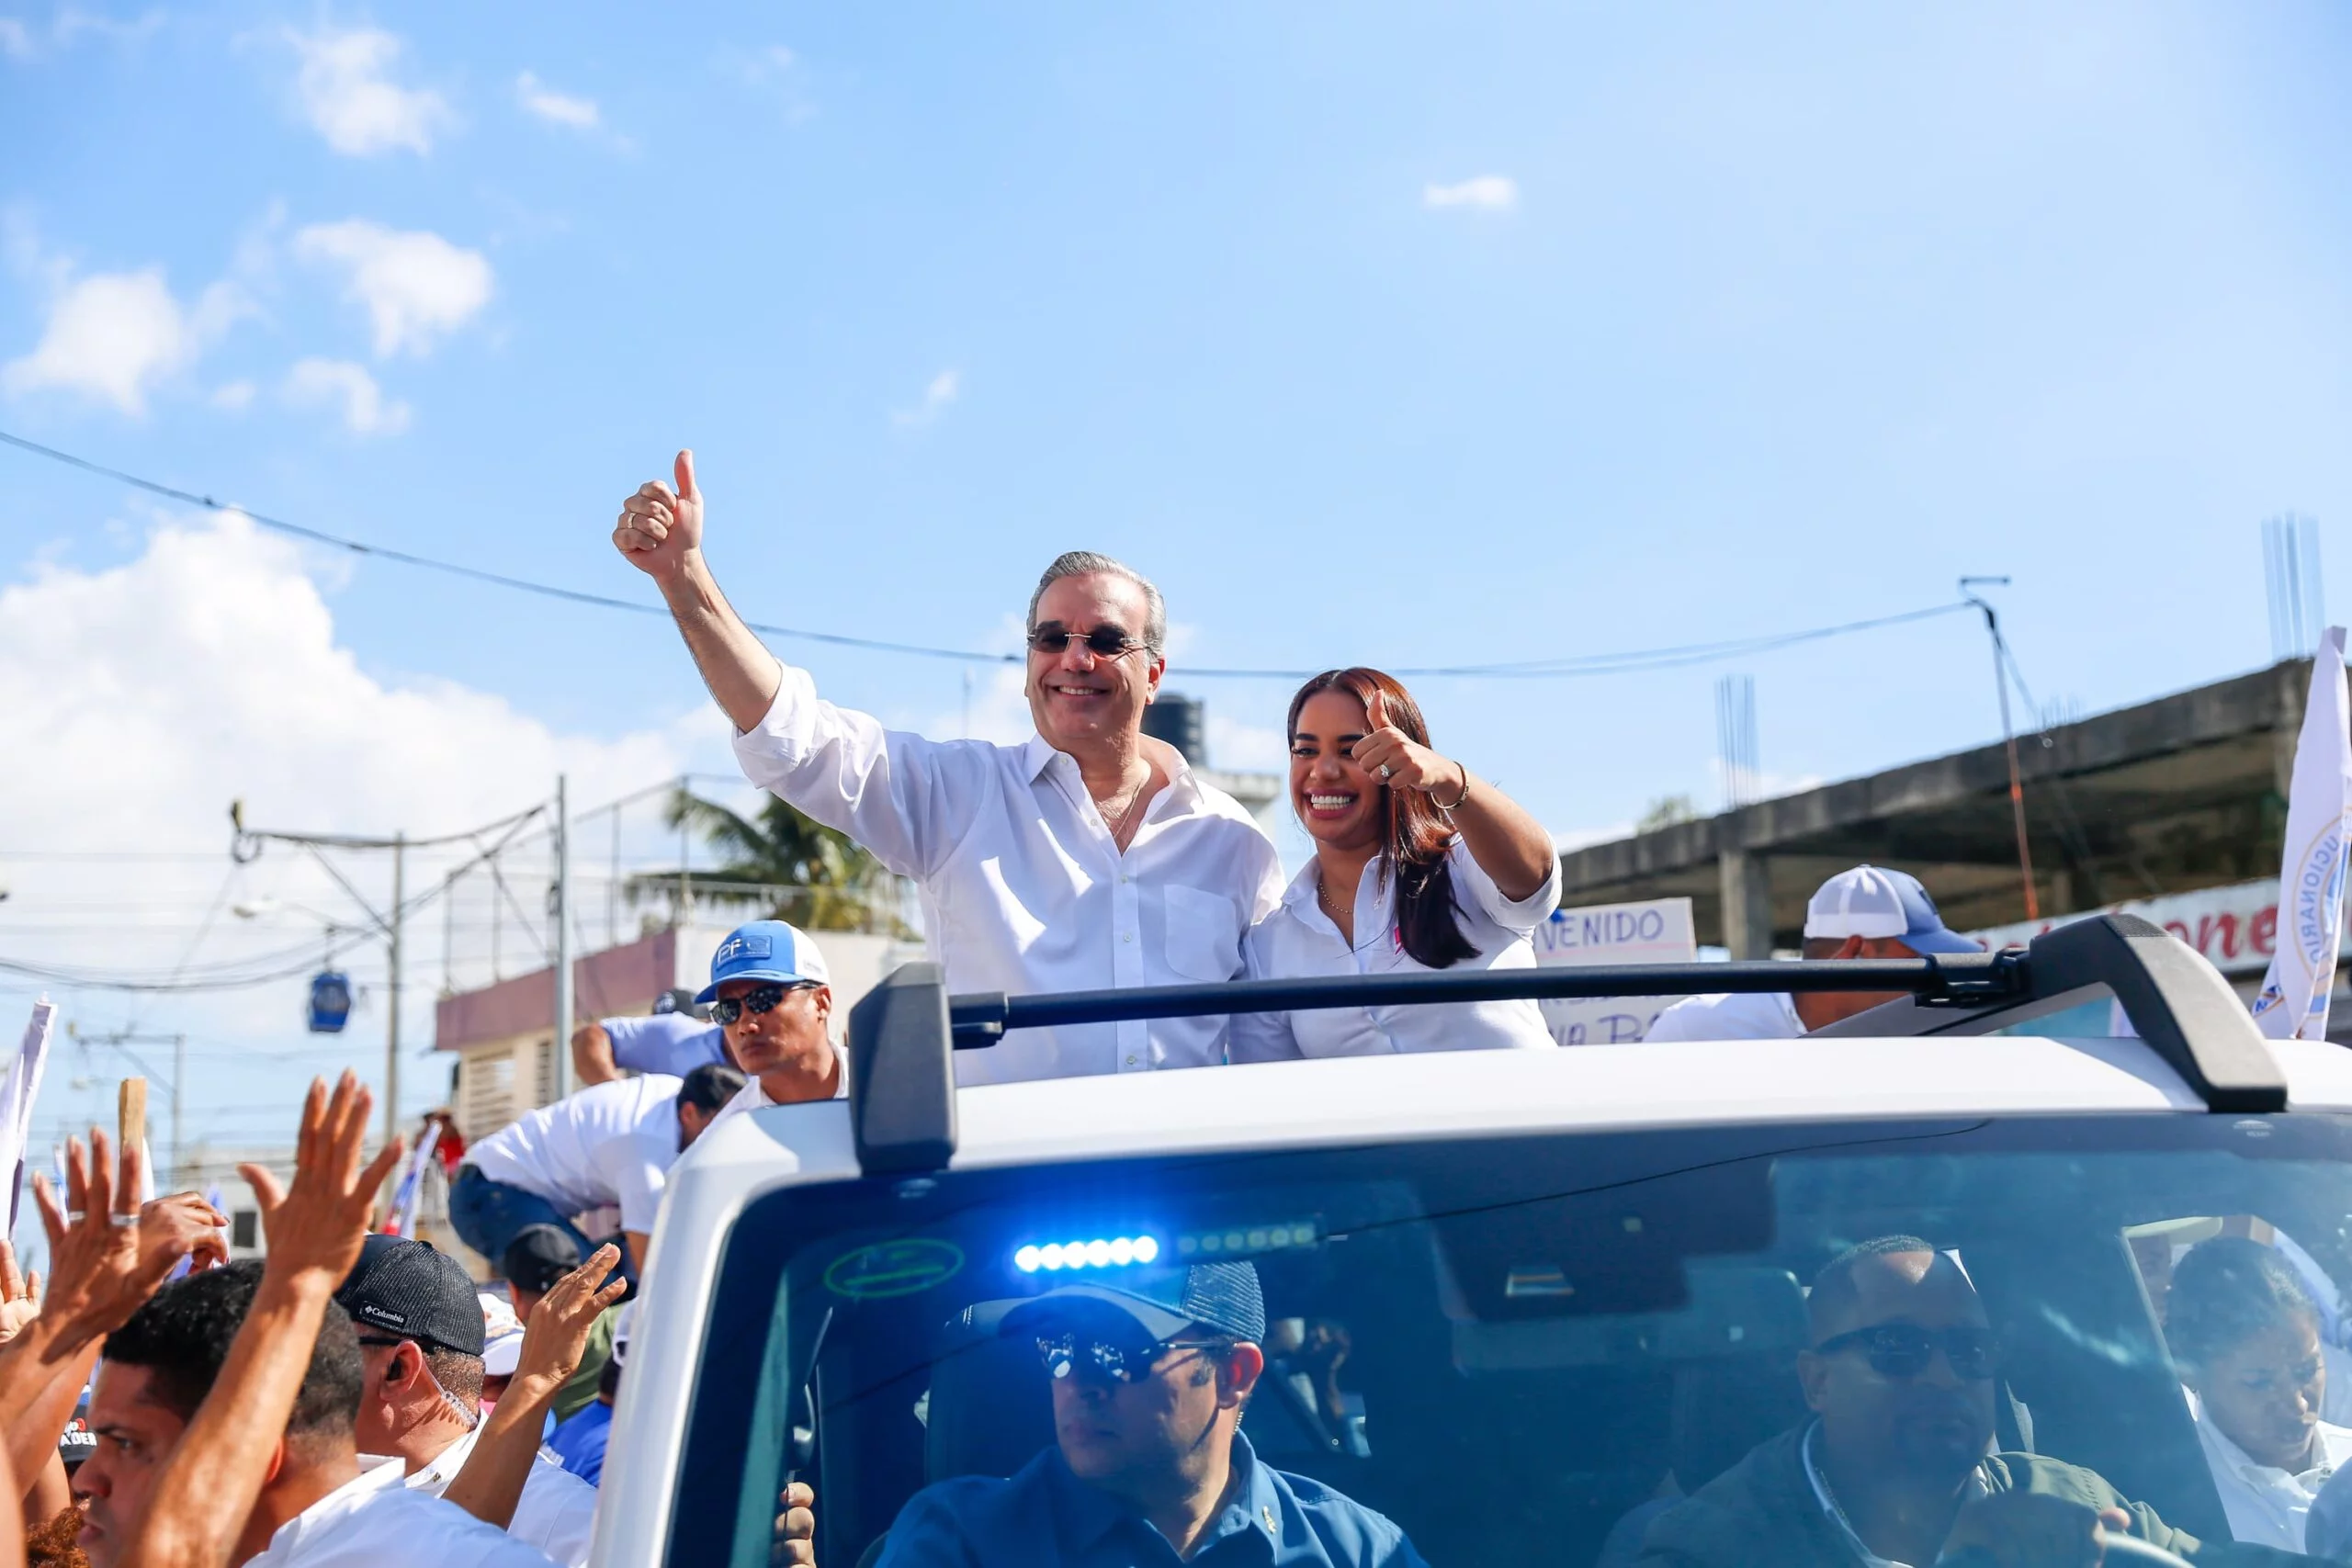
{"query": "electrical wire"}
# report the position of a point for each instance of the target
(1582, 665)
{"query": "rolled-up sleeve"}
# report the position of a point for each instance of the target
(1520, 915)
(905, 798)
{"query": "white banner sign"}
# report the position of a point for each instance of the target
(2293, 1002)
(16, 1101)
(1656, 931)
(2236, 927)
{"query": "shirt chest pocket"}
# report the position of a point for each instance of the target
(1202, 935)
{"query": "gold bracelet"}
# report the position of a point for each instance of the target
(1459, 798)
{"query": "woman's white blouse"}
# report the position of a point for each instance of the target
(1298, 941)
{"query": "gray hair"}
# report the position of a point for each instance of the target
(1089, 563)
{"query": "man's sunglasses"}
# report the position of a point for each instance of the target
(1103, 642)
(1062, 1353)
(759, 999)
(1902, 1350)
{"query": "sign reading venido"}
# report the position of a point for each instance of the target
(1657, 930)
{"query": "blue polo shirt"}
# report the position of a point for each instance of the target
(1046, 1517)
(672, 1042)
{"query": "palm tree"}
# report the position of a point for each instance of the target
(793, 868)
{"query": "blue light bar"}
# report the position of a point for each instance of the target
(1100, 1252)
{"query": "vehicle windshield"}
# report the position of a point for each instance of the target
(1528, 1351)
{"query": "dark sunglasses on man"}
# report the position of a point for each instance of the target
(1103, 642)
(1902, 1350)
(759, 999)
(1121, 1361)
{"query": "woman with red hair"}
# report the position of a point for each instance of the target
(1418, 864)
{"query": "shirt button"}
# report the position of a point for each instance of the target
(1131, 1061)
(1126, 936)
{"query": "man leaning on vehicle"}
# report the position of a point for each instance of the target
(1088, 858)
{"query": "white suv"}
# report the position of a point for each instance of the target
(1517, 1298)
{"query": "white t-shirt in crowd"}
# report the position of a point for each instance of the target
(2266, 1505)
(556, 1512)
(373, 1521)
(672, 1042)
(1737, 1015)
(1024, 889)
(611, 1144)
(1299, 940)
(752, 1097)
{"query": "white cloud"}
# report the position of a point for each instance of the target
(116, 335)
(414, 283)
(347, 92)
(1489, 192)
(205, 669)
(560, 108)
(365, 408)
(20, 40)
(774, 70)
(233, 396)
(942, 390)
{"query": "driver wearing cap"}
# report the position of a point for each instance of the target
(1150, 1370)
(1867, 912)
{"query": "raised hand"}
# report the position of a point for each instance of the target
(660, 529)
(555, 1338)
(315, 1228)
(1398, 761)
(19, 1294)
(105, 1262)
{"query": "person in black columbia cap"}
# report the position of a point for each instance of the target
(421, 1337)
(1150, 1370)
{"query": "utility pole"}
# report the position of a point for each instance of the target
(392, 1010)
(2009, 736)
(559, 909)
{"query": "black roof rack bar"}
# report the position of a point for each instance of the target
(2178, 1004)
(1971, 979)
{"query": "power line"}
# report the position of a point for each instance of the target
(1623, 663)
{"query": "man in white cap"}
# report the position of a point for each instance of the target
(1867, 912)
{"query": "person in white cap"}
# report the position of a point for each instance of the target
(1867, 912)
(1089, 857)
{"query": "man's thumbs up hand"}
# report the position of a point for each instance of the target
(660, 529)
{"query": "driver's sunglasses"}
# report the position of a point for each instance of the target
(759, 999)
(1902, 1350)
(1103, 642)
(1119, 1362)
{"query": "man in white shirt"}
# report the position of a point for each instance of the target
(1867, 912)
(422, 1336)
(609, 1146)
(318, 1507)
(1088, 858)
(673, 1039)
(768, 992)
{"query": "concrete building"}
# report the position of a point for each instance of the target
(2176, 796)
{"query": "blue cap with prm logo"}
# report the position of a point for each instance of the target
(765, 950)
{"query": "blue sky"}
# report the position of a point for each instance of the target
(1382, 333)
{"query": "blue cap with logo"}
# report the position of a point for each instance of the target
(765, 950)
(1222, 1296)
(1871, 901)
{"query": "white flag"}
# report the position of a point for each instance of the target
(2293, 1002)
(16, 1101)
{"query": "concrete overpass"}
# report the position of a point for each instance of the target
(2183, 792)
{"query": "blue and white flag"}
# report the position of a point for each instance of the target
(2292, 1004)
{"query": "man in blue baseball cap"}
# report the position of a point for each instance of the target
(1150, 1369)
(769, 996)
(1867, 912)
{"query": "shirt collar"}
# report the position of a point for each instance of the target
(1090, 1513)
(1039, 754)
(375, 1475)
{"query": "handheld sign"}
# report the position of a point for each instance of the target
(1657, 930)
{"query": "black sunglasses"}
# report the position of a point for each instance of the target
(1119, 1362)
(1103, 642)
(1902, 1350)
(759, 999)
